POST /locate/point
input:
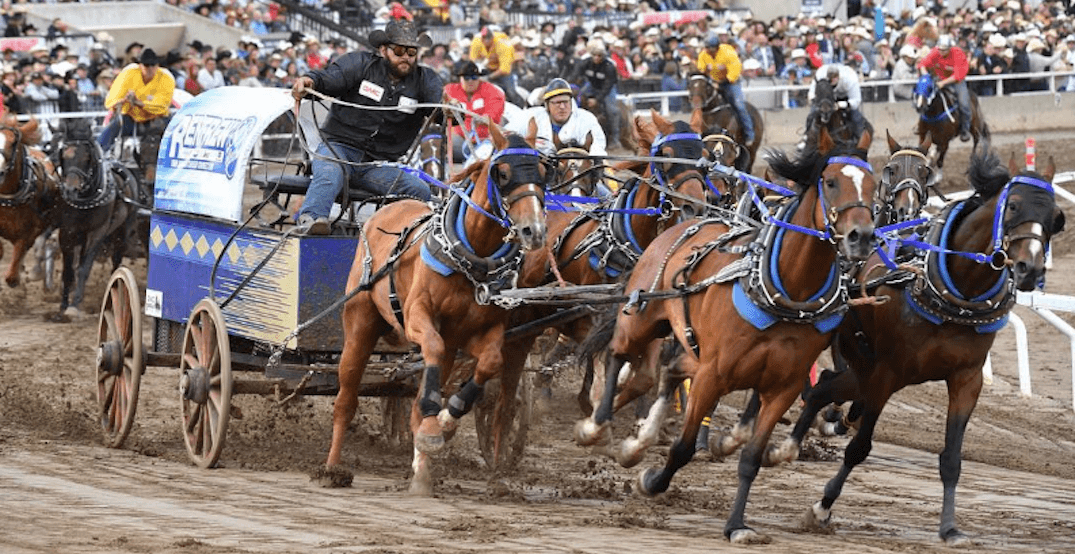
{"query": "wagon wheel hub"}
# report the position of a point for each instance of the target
(110, 357)
(194, 385)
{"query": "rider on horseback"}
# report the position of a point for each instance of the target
(845, 85)
(721, 63)
(949, 64)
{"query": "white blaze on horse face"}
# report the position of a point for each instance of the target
(856, 175)
(3, 148)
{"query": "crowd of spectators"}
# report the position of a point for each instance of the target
(999, 36)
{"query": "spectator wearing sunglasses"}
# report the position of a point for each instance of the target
(388, 78)
(477, 95)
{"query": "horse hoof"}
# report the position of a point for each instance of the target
(58, 317)
(589, 433)
(429, 439)
(448, 424)
(955, 538)
(643, 486)
(631, 453)
(818, 519)
(420, 488)
(332, 477)
(748, 536)
(785, 453)
(73, 313)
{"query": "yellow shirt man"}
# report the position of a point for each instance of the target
(150, 99)
(495, 49)
(712, 58)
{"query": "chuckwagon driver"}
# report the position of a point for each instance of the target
(391, 78)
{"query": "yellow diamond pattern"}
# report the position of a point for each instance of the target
(218, 247)
(187, 242)
(234, 253)
(252, 254)
(202, 245)
(170, 240)
(156, 236)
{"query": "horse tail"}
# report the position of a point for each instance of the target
(600, 335)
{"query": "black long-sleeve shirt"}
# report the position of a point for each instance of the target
(602, 75)
(363, 78)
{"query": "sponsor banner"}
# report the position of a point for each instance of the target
(201, 168)
(673, 17)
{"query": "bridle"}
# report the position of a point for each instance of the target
(832, 214)
(713, 101)
(573, 172)
(900, 163)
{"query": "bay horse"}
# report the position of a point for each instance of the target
(745, 318)
(28, 191)
(602, 246)
(719, 116)
(432, 153)
(950, 307)
(577, 174)
(418, 273)
(828, 115)
(95, 211)
(938, 116)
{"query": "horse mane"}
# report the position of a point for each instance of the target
(806, 168)
(986, 173)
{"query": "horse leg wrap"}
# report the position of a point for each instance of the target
(461, 402)
(430, 403)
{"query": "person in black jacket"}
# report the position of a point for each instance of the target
(597, 78)
(391, 78)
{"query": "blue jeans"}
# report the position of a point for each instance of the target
(734, 91)
(109, 133)
(329, 178)
(963, 97)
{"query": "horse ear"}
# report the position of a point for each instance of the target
(589, 141)
(1012, 168)
(663, 125)
(556, 141)
(926, 143)
(497, 134)
(646, 133)
(697, 121)
(865, 140)
(1050, 170)
(1058, 220)
(29, 127)
(531, 129)
(824, 141)
(893, 146)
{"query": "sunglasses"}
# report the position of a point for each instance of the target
(400, 51)
(469, 77)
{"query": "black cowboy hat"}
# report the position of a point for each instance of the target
(173, 57)
(196, 45)
(469, 68)
(401, 32)
(149, 57)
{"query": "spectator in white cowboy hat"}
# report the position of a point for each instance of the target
(1040, 63)
(389, 77)
(989, 62)
(797, 72)
(1069, 58)
(904, 70)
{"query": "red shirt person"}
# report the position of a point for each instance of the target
(948, 63)
(477, 95)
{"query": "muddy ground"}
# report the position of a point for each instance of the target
(61, 491)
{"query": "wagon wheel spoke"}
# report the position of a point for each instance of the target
(119, 362)
(206, 398)
(192, 421)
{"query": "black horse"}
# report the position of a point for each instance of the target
(97, 209)
(826, 113)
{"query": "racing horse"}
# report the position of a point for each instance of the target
(720, 117)
(577, 173)
(95, 211)
(28, 191)
(432, 155)
(828, 115)
(746, 317)
(949, 307)
(415, 279)
(938, 116)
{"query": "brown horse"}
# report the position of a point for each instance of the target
(826, 113)
(28, 192)
(720, 117)
(938, 116)
(420, 272)
(755, 322)
(949, 308)
(906, 180)
(595, 247)
(433, 155)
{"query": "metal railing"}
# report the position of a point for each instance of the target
(647, 99)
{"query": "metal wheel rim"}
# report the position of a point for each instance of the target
(205, 344)
(120, 320)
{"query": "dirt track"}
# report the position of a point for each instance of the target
(62, 492)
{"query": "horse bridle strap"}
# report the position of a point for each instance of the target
(26, 190)
(1000, 240)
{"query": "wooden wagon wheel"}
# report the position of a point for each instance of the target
(120, 357)
(205, 383)
(518, 412)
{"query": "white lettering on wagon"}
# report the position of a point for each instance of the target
(207, 142)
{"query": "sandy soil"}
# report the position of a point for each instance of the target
(63, 492)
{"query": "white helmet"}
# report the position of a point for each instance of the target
(908, 51)
(945, 42)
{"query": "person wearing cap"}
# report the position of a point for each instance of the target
(560, 115)
(139, 94)
(42, 98)
(905, 71)
(989, 62)
(597, 77)
(797, 72)
(848, 91)
(1020, 64)
(1068, 47)
(472, 92)
(948, 64)
(493, 50)
(720, 61)
(388, 79)
(1040, 62)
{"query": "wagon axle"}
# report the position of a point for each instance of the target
(194, 385)
(110, 357)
